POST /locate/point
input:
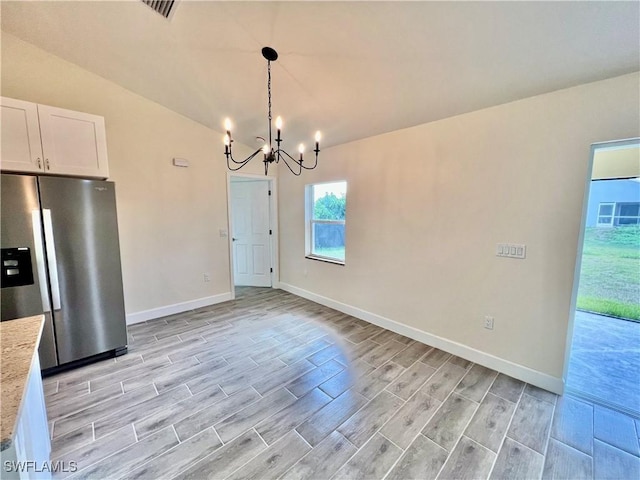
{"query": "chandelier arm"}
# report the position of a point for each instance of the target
(280, 150)
(229, 155)
(284, 160)
(235, 169)
(298, 162)
(314, 165)
(241, 163)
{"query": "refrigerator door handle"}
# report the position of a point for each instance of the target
(50, 246)
(38, 251)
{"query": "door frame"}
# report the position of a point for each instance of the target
(583, 224)
(273, 225)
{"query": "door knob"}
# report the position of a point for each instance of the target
(233, 239)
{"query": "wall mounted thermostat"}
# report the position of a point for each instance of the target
(181, 162)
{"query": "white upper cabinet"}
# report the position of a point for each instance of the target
(65, 142)
(20, 149)
(73, 143)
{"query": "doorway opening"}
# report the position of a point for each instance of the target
(604, 337)
(253, 230)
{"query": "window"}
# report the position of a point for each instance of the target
(618, 214)
(605, 214)
(325, 218)
(627, 214)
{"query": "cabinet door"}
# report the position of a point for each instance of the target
(73, 143)
(20, 149)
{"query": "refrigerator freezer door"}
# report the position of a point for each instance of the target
(81, 237)
(21, 227)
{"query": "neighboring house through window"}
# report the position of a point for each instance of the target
(614, 203)
(617, 214)
(325, 211)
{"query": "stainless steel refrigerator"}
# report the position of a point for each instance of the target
(61, 257)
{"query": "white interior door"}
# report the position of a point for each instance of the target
(250, 236)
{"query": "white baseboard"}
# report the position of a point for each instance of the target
(177, 308)
(526, 374)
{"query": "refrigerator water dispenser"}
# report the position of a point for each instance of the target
(17, 270)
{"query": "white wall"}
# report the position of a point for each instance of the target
(426, 207)
(169, 217)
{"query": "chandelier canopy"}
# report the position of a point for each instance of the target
(270, 154)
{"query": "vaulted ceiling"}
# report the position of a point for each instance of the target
(350, 69)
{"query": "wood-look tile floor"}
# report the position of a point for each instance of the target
(274, 386)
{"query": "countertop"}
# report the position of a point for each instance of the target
(19, 340)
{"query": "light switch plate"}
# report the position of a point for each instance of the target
(511, 250)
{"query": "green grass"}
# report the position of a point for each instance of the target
(610, 273)
(336, 252)
(609, 307)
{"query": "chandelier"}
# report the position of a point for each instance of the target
(270, 154)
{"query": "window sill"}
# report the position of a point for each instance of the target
(325, 259)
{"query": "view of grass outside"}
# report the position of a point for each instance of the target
(610, 274)
(337, 252)
(327, 222)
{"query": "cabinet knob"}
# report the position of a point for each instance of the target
(46, 161)
(39, 163)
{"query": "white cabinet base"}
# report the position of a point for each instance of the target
(28, 457)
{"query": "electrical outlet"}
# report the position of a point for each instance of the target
(488, 322)
(207, 277)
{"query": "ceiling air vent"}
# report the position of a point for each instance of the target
(163, 7)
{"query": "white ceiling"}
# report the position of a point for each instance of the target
(350, 69)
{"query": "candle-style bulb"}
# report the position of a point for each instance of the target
(266, 149)
(318, 136)
(227, 140)
(279, 123)
(227, 124)
(301, 148)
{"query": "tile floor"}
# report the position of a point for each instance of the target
(605, 361)
(274, 386)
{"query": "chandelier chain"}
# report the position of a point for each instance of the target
(269, 95)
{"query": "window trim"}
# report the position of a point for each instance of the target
(611, 216)
(320, 258)
(617, 216)
(310, 221)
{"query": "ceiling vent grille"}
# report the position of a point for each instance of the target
(163, 7)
